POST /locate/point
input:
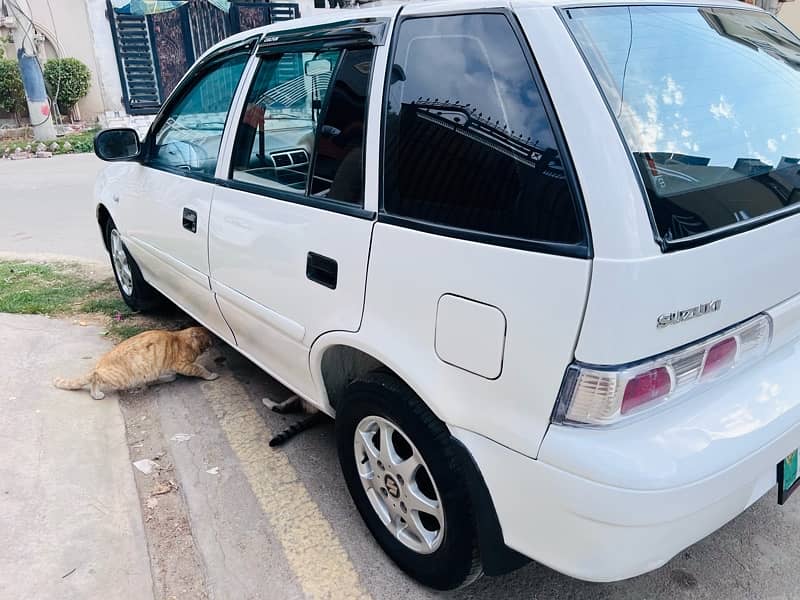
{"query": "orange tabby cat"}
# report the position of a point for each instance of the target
(152, 356)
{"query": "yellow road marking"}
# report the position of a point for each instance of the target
(312, 549)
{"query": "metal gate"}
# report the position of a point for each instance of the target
(252, 15)
(154, 51)
(141, 92)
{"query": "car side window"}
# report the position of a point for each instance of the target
(189, 138)
(339, 162)
(306, 110)
(275, 139)
(468, 142)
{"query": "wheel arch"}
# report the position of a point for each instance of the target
(338, 358)
(103, 217)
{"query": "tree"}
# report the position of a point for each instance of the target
(12, 92)
(68, 80)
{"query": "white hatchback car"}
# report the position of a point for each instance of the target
(538, 258)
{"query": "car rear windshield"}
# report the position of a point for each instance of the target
(708, 100)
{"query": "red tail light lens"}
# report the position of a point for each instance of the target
(644, 388)
(720, 357)
(606, 395)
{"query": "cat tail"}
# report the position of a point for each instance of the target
(73, 384)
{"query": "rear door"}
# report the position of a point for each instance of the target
(290, 228)
(480, 260)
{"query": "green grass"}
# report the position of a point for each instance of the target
(64, 289)
(111, 306)
(81, 142)
(123, 331)
(43, 289)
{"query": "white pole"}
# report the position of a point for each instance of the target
(32, 77)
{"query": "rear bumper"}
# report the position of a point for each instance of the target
(597, 532)
(609, 504)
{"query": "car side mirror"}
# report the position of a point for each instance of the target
(117, 144)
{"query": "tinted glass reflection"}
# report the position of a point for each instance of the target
(189, 138)
(468, 142)
(707, 100)
(276, 135)
(339, 168)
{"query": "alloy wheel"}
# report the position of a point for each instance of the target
(399, 484)
(121, 266)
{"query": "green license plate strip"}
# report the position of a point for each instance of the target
(788, 477)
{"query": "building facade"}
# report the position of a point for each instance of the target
(72, 28)
(136, 50)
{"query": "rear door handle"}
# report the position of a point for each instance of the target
(190, 220)
(322, 270)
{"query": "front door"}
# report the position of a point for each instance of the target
(166, 225)
(290, 236)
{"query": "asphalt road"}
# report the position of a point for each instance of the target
(46, 207)
(287, 513)
(277, 524)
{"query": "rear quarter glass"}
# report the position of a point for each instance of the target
(706, 101)
(469, 144)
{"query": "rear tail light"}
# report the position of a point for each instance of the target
(719, 358)
(650, 385)
(608, 395)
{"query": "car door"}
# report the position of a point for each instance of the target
(290, 232)
(166, 224)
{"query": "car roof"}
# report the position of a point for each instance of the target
(388, 8)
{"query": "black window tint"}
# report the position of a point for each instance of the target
(468, 142)
(190, 136)
(275, 139)
(339, 164)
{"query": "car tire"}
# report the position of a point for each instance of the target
(422, 463)
(139, 295)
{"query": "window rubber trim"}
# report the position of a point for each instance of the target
(699, 239)
(582, 249)
(470, 235)
(342, 208)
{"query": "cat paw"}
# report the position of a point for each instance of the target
(211, 376)
(98, 395)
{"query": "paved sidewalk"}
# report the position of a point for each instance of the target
(70, 521)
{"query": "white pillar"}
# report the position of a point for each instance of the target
(107, 70)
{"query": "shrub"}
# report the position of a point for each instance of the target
(12, 93)
(68, 80)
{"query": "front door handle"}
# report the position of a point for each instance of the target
(190, 220)
(322, 270)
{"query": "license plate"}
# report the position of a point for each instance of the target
(788, 477)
